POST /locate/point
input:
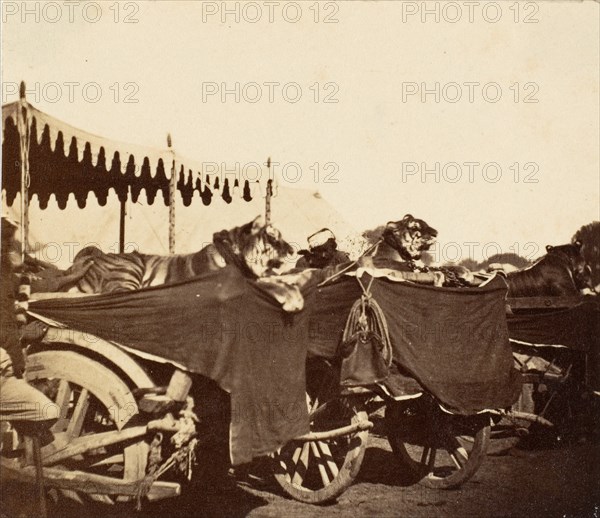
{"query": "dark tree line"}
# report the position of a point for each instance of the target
(589, 235)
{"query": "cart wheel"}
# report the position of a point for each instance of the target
(319, 471)
(438, 450)
(91, 399)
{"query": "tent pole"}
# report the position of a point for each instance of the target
(122, 225)
(23, 129)
(268, 196)
(172, 190)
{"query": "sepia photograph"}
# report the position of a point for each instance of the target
(312, 258)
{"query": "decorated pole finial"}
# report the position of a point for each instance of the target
(169, 141)
(269, 194)
(22, 90)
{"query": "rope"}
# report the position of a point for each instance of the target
(182, 458)
(352, 264)
(366, 319)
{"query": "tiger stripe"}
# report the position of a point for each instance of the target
(252, 247)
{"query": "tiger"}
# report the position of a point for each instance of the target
(255, 248)
(561, 272)
(403, 243)
(400, 249)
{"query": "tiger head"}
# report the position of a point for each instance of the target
(572, 254)
(409, 236)
(262, 247)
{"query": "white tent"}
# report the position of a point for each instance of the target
(57, 235)
(81, 189)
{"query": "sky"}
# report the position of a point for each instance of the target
(481, 119)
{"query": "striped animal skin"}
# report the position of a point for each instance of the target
(561, 272)
(255, 248)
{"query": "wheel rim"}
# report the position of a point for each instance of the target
(319, 471)
(91, 399)
(436, 449)
(313, 465)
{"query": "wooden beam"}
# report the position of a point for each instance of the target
(83, 482)
(80, 445)
(543, 302)
(337, 432)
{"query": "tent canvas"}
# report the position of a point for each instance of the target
(57, 235)
(84, 189)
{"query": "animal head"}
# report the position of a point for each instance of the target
(322, 249)
(457, 275)
(409, 236)
(262, 247)
(320, 256)
(571, 253)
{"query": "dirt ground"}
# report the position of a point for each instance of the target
(557, 481)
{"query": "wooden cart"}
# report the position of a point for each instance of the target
(556, 349)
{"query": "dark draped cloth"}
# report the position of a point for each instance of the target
(221, 326)
(577, 328)
(454, 342)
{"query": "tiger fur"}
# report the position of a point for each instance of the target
(561, 272)
(402, 243)
(254, 248)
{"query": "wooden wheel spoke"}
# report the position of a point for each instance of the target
(76, 422)
(301, 466)
(320, 464)
(462, 453)
(331, 464)
(431, 461)
(86, 394)
(119, 458)
(458, 453)
(458, 458)
(425, 455)
(63, 399)
(319, 471)
(288, 468)
(460, 444)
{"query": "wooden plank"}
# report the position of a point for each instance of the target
(82, 482)
(543, 302)
(162, 489)
(43, 295)
(91, 442)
